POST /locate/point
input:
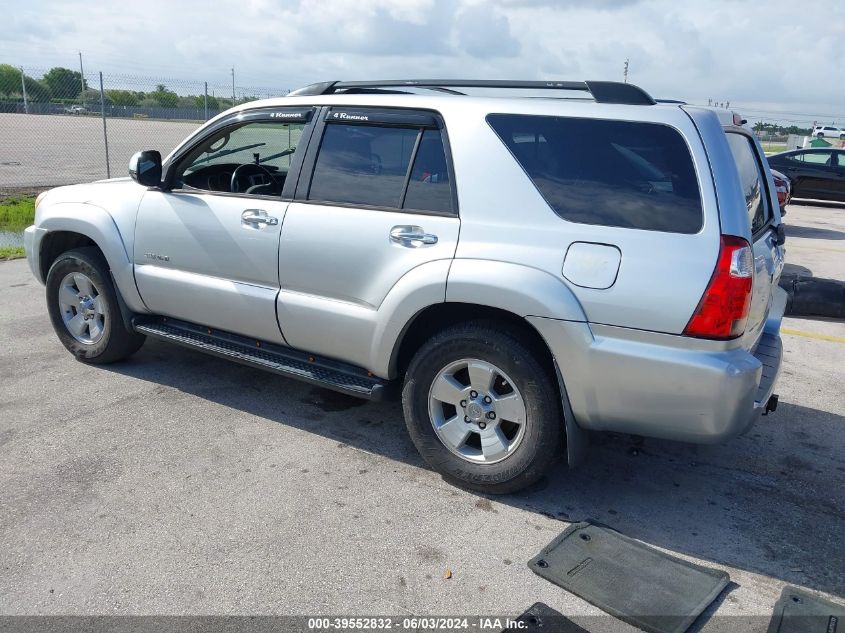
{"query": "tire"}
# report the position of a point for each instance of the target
(536, 441)
(820, 135)
(99, 335)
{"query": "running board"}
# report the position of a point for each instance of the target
(278, 359)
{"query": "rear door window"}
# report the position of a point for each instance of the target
(752, 179)
(382, 166)
(815, 158)
(428, 186)
(365, 165)
(611, 173)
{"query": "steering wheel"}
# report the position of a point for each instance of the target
(241, 170)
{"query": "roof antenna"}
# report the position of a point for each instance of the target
(625, 72)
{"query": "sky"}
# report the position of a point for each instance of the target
(771, 59)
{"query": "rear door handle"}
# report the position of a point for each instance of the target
(411, 236)
(258, 217)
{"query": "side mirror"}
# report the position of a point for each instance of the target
(145, 168)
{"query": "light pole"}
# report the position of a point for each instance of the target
(81, 80)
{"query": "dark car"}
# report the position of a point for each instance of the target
(783, 187)
(814, 173)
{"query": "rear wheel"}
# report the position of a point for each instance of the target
(83, 307)
(482, 410)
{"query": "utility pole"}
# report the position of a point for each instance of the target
(105, 131)
(81, 80)
(23, 89)
(625, 72)
(233, 86)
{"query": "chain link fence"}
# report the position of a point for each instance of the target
(60, 126)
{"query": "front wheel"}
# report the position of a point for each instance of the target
(83, 307)
(482, 410)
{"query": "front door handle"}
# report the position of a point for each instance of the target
(258, 217)
(411, 236)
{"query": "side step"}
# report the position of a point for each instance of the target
(278, 359)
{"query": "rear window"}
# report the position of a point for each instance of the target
(609, 173)
(751, 179)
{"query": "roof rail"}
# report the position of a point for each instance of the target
(601, 91)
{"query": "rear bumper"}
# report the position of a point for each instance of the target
(660, 385)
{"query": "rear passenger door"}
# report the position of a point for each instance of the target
(375, 200)
(812, 173)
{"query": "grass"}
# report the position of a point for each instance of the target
(17, 213)
(11, 252)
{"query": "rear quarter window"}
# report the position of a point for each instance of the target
(751, 178)
(609, 173)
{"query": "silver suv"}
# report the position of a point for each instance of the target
(522, 269)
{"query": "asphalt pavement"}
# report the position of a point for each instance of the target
(176, 483)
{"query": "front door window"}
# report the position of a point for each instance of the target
(252, 159)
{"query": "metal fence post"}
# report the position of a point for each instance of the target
(105, 130)
(23, 88)
(206, 100)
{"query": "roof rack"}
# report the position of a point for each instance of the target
(601, 91)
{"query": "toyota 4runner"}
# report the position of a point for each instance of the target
(522, 269)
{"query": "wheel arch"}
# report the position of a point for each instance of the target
(437, 317)
(440, 316)
(72, 225)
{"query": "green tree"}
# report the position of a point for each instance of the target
(92, 98)
(213, 103)
(10, 85)
(164, 97)
(64, 83)
(122, 97)
(10, 80)
(36, 90)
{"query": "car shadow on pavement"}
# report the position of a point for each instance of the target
(771, 502)
(812, 232)
(830, 204)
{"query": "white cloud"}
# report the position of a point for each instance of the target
(777, 58)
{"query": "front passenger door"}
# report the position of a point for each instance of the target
(207, 244)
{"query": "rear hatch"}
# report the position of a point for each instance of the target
(764, 218)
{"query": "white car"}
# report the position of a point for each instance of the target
(822, 131)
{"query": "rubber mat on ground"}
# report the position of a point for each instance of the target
(798, 611)
(541, 618)
(630, 580)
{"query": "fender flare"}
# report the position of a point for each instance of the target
(98, 225)
(522, 290)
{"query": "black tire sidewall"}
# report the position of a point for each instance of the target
(97, 271)
(542, 441)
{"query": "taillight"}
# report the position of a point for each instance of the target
(723, 309)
